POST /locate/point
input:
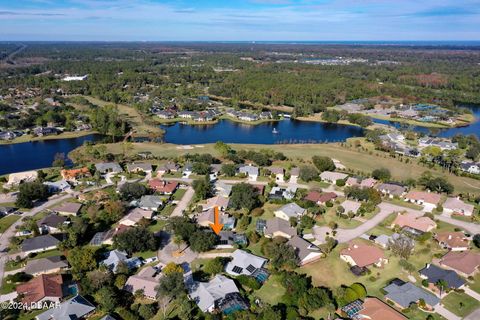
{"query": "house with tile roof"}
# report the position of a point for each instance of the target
(465, 263)
(363, 255)
(332, 177)
(457, 206)
(414, 221)
(371, 308)
(45, 287)
(217, 201)
(455, 241)
(163, 187)
(429, 200)
(320, 198)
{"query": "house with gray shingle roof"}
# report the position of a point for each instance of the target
(54, 264)
(306, 252)
(76, 308)
(434, 273)
(250, 171)
(403, 294)
(278, 227)
(150, 202)
(39, 244)
(108, 167)
(115, 257)
(290, 210)
(139, 167)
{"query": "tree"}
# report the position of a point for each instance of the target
(308, 173)
(249, 282)
(201, 241)
(407, 266)
(228, 170)
(202, 188)
(147, 311)
(82, 259)
(323, 163)
(223, 148)
(281, 254)
(213, 266)
(107, 298)
(135, 240)
(200, 168)
(401, 246)
(99, 278)
(29, 192)
(172, 267)
(329, 244)
(442, 285)
(244, 196)
(182, 227)
(359, 289)
(171, 285)
(59, 160)
(132, 190)
(381, 174)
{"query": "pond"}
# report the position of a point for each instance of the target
(285, 131)
(37, 154)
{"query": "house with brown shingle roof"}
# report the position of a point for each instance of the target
(135, 216)
(146, 280)
(277, 227)
(46, 287)
(217, 201)
(455, 241)
(320, 197)
(465, 263)
(363, 255)
(415, 221)
(68, 209)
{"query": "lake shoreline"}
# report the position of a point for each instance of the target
(61, 136)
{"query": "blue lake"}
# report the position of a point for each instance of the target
(37, 154)
(289, 131)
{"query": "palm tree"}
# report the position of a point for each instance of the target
(441, 285)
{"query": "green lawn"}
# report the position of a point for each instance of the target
(7, 221)
(50, 253)
(475, 285)
(460, 303)
(178, 195)
(7, 287)
(272, 290)
(146, 254)
(156, 225)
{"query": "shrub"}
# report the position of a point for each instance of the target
(257, 212)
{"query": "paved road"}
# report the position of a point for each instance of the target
(445, 313)
(470, 227)
(475, 315)
(183, 203)
(346, 235)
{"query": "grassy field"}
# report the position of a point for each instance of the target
(140, 124)
(354, 158)
(7, 221)
(178, 195)
(272, 290)
(460, 303)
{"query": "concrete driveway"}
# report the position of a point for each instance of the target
(183, 203)
(445, 313)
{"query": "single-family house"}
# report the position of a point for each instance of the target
(228, 239)
(332, 177)
(68, 209)
(457, 206)
(363, 255)
(75, 308)
(217, 201)
(39, 244)
(455, 241)
(278, 172)
(372, 309)
(290, 210)
(135, 216)
(402, 294)
(14, 179)
(48, 265)
(433, 274)
(470, 167)
(250, 171)
(137, 167)
(279, 193)
(466, 263)
(414, 221)
(108, 167)
(168, 167)
(244, 263)
(51, 224)
(116, 257)
(306, 251)
(57, 186)
(368, 183)
(163, 187)
(220, 293)
(278, 227)
(107, 237)
(206, 218)
(320, 198)
(45, 287)
(429, 200)
(150, 202)
(392, 190)
(146, 280)
(294, 174)
(351, 206)
(223, 189)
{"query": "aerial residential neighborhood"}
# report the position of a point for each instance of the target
(251, 160)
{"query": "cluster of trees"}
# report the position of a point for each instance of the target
(30, 192)
(136, 239)
(332, 115)
(187, 231)
(244, 196)
(437, 184)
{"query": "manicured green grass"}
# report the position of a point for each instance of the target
(157, 225)
(145, 254)
(7, 287)
(354, 158)
(272, 290)
(7, 221)
(30, 315)
(400, 202)
(475, 285)
(460, 303)
(50, 253)
(418, 314)
(178, 195)
(167, 210)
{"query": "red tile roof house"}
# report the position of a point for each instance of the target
(457, 206)
(363, 255)
(415, 221)
(455, 241)
(320, 198)
(46, 287)
(465, 263)
(163, 187)
(428, 200)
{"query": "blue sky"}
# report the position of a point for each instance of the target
(235, 20)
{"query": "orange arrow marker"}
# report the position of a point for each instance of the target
(216, 226)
